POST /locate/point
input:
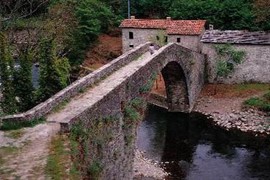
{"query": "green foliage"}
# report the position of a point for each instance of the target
(91, 140)
(148, 86)
(94, 170)
(54, 169)
(22, 24)
(23, 80)
(262, 103)
(93, 18)
(228, 57)
(222, 68)
(254, 102)
(131, 113)
(8, 102)
(59, 159)
(14, 125)
(225, 14)
(54, 71)
(267, 96)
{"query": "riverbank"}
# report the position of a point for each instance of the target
(146, 169)
(224, 105)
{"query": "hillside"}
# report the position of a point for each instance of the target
(108, 47)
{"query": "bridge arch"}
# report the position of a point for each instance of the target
(176, 87)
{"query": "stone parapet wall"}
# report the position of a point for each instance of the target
(255, 67)
(130, 86)
(79, 85)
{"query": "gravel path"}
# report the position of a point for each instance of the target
(81, 102)
(25, 157)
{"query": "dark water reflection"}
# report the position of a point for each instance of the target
(196, 150)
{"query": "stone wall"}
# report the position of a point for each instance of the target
(117, 152)
(130, 86)
(79, 85)
(255, 68)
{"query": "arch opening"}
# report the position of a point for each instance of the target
(176, 87)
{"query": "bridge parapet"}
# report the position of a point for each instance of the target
(79, 85)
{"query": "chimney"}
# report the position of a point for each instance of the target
(169, 18)
(132, 17)
(211, 27)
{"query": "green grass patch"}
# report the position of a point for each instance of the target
(267, 96)
(255, 86)
(58, 160)
(257, 102)
(261, 103)
(54, 168)
(15, 125)
(61, 106)
(15, 134)
(94, 170)
(5, 151)
(131, 113)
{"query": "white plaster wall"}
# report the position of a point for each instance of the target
(140, 36)
(190, 42)
(143, 35)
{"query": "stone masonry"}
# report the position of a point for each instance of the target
(107, 99)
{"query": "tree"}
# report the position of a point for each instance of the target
(8, 103)
(23, 80)
(226, 14)
(12, 9)
(54, 71)
(262, 11)
(93, 18)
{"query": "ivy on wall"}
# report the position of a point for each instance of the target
(227, 58)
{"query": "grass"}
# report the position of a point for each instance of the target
(15, 134)
(61, 106)
(261, 103)
(15, 125)
(253, 86)
(59, 159)
(131, 113)
(5, 151)
(235, 90)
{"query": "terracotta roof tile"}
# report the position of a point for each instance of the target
(184, 27)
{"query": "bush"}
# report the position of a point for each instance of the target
(254, 102)
(262, 103)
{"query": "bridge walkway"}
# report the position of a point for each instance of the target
(81, 102)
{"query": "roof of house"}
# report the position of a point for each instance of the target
(180, 27)
(236, 37)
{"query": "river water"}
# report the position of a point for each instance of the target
(189, 147)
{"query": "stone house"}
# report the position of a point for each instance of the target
(185, 32)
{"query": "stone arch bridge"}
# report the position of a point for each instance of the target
(181, 68)
(106, 91)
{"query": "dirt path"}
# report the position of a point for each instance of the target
(23, 153)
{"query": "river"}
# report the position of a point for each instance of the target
(189, 147)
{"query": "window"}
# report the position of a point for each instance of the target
(131, 35)
(157, 37)
(131, 46)
(178, 40)
(166, 39)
